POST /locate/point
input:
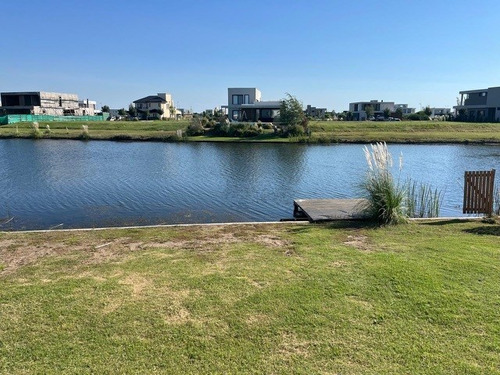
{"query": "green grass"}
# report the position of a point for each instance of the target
(322, 132)
(421, 298)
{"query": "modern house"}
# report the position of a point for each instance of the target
(405, 110)
(315, 112)
(439, 112)
(244, 104)
(159, 106)
(44, 103)
(358, 109)
(479, 105)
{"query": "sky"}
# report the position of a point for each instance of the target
(325, 53)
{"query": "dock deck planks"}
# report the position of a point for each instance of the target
(330, 209)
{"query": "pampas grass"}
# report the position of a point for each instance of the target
(35, 130)
(385, 195)
(85, 132)
(390, 201)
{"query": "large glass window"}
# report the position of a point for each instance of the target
(265, 113)
(237, 99)
(247, 99)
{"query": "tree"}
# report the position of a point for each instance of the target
(369, 111)
(105, 108)
(399, 113)
(428, 111)
(132, 111)
(122, 112)
(160, 112)
(172, 111)
(292, 118)
(387, 113)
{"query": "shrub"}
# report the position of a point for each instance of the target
(195, 127)
(267, 125)
(419, 116)
(294, 131)
(385, 195)
(235, 130)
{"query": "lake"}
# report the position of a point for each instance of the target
(73, 184)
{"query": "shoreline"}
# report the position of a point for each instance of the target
(125, 138)
(228, 224)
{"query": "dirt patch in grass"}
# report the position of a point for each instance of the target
(292, 346)
(359, 241)
(19, 250)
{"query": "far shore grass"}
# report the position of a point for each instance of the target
(321, 132)
(339, 298)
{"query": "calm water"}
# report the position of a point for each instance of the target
(86, 184)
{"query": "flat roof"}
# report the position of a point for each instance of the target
(266, 104)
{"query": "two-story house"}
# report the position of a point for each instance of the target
(159, 106)
(479, 105)
(40, 103)
(245, 104)
(358, 109)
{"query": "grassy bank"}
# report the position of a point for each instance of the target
(421, 298)
(322, 132)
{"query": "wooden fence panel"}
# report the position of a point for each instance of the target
(478, 192)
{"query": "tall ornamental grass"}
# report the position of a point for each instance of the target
(391, 201)
(386, 196)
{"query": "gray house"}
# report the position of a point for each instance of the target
(479, 105)
(359, 113)
(244, 104)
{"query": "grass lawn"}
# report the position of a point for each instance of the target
(322, 132)
(422, 298)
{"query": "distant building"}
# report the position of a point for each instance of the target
(405, 110)
(359, 113)
(480, 105)
(45, 103)
(438, 112)
(155, 106)
(315, 112)
(185, 113)
(244, 104)
(87, 107)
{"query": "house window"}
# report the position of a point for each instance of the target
(265, 113)
(356, 106)
(237, 99)
(235, 115)
(483, 94)
(247, 99)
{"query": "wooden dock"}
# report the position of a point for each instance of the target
(330, 209)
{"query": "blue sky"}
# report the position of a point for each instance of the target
(326, 53)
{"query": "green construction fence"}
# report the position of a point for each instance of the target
(12, 119)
